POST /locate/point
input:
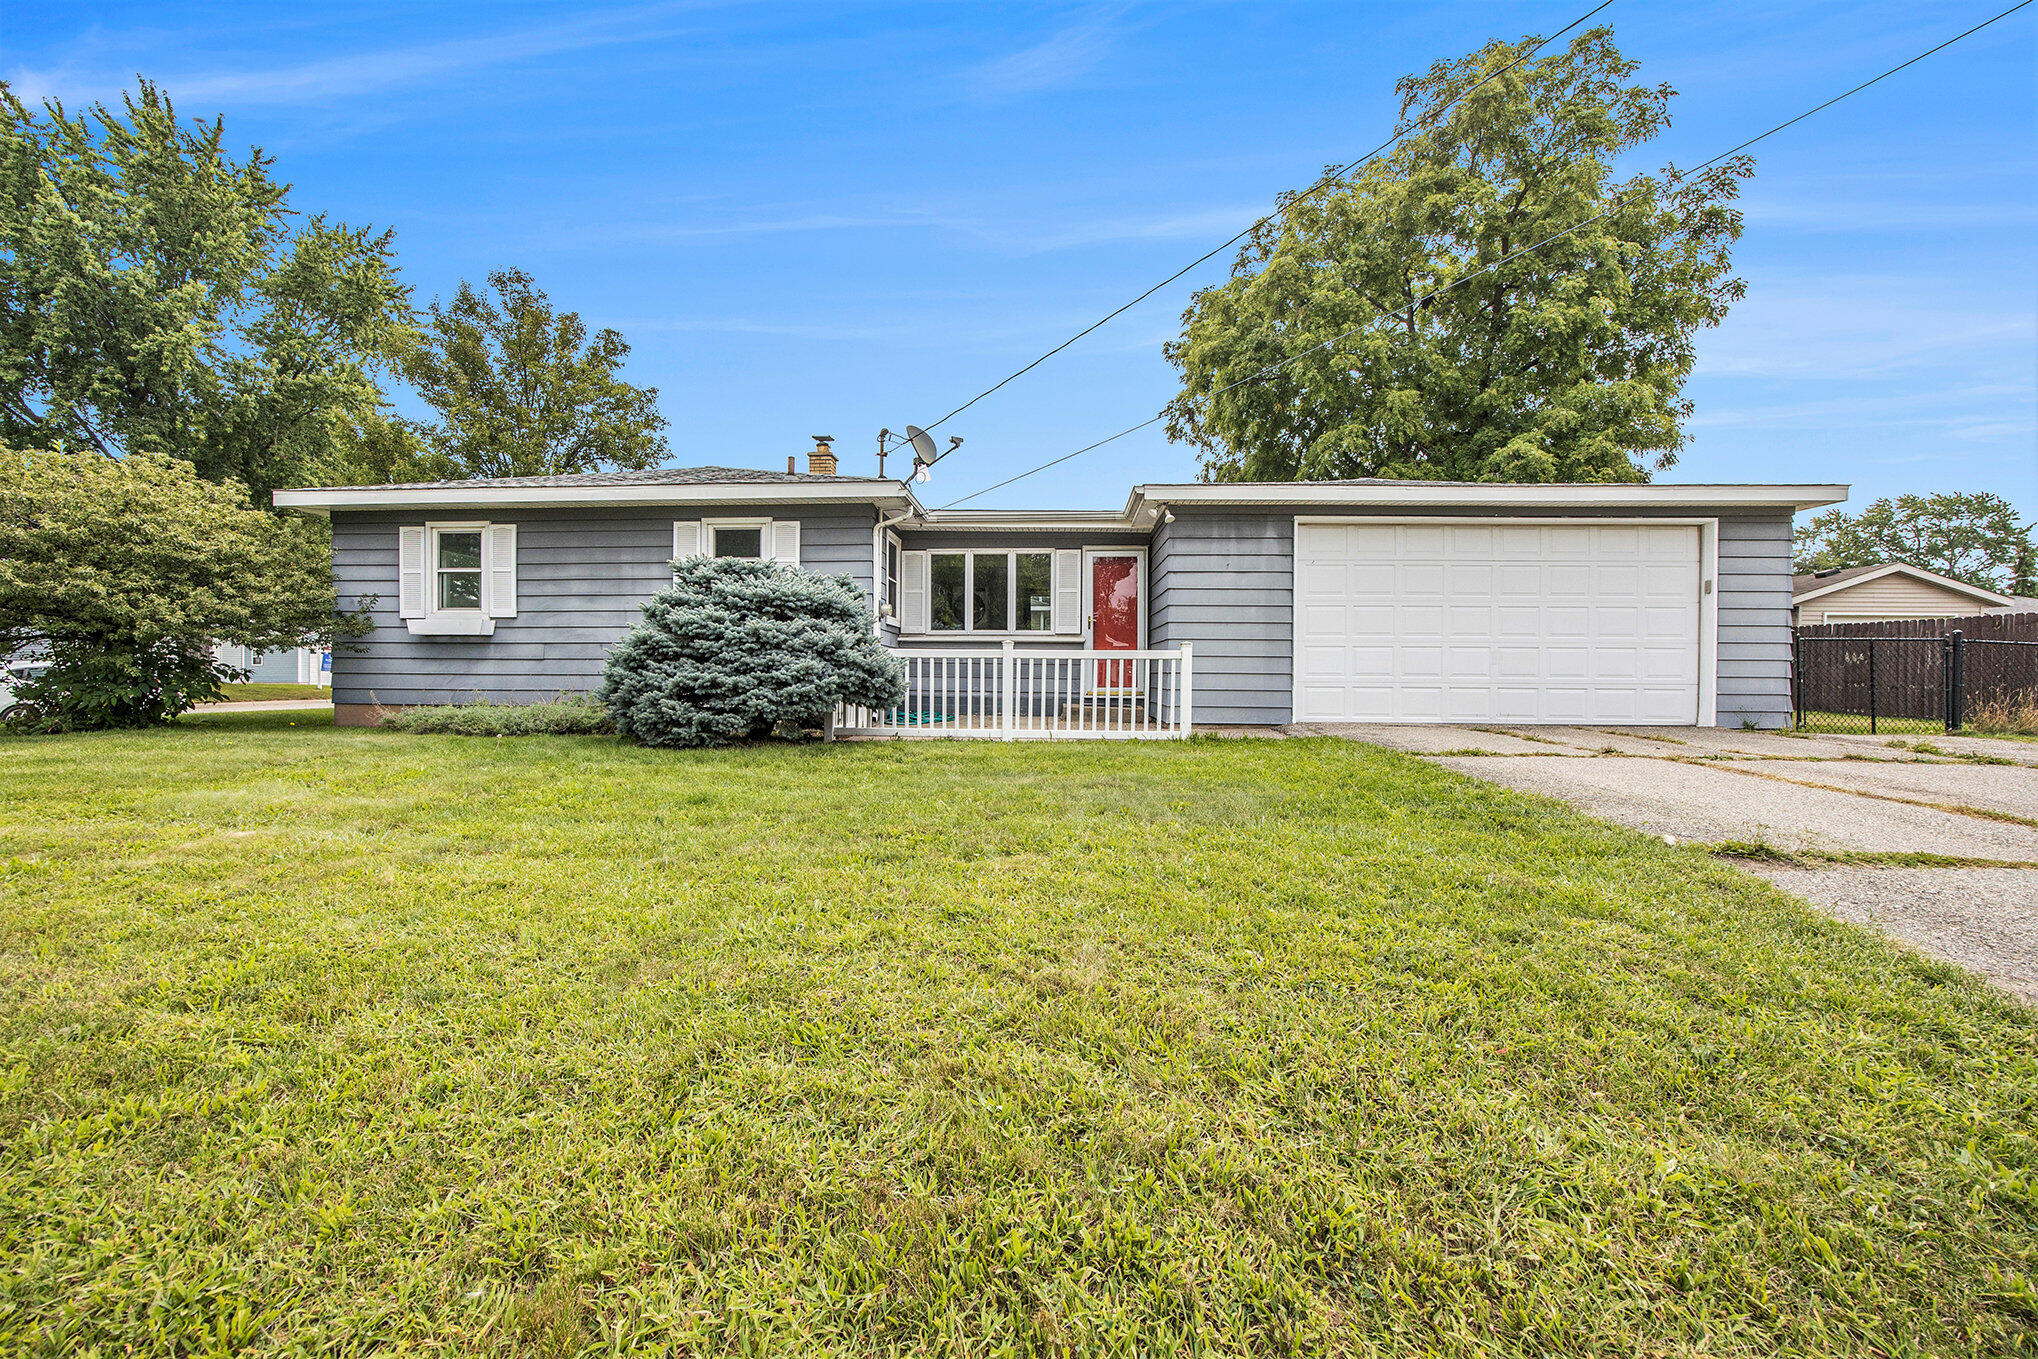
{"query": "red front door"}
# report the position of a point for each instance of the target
(1114, 616)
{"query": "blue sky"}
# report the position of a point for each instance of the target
(834, 217)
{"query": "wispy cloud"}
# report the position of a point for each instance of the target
(1008, 233)
(1860, 329)
(365, 73)
(1064, 56)
(1861, 215)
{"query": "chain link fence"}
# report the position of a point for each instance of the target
(1893, 685)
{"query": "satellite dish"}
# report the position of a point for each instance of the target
(923, 451)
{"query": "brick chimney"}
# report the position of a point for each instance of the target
(821, 462)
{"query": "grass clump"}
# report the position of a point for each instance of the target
(2005, 715)
(312, 1041)
(574, 715)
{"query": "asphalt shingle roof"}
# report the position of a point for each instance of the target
(657, 476)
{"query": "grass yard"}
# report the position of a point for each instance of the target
(325, 1040)
(1857, 724)
(242, 693)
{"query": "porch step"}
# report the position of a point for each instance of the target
(1096, 709)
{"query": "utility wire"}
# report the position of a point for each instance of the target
(1675, 177)
(1329, 178)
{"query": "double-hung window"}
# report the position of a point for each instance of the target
(990, 591)
(456, 580)
(456, 570)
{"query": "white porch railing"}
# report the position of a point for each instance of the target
(1013, 695)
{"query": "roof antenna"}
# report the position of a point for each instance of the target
(882, 435)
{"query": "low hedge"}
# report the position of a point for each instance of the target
(580, 715)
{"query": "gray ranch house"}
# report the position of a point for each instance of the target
(1237, 605)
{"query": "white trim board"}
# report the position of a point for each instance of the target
(327, 499)
(1708, 584)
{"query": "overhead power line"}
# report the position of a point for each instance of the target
(1331, 177)
(1278, 364)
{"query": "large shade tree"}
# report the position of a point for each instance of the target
(1565, 362)
(524, 390)
(159, 296)
(1975, 536)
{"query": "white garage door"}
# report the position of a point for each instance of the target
(1402, 622)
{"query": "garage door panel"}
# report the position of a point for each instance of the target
(1468, 705)
(1370, 662)
(1419, 622)
(1422, 662)
(1562, 581)
(1502, 622)
(1566, 622)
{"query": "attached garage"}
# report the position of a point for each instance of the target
(1505, 620)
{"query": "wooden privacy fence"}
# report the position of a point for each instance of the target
(1013, 695)
(1980, 627)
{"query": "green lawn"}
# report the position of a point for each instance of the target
(241, 693)
(347, 1041)
(1857, 724)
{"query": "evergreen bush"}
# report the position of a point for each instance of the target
(740, 649)
(577, 715)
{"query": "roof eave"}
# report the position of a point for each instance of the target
(324, 500)
(1623, 495)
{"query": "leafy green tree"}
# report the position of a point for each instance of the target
(158, 296)
(127, 570)
(523, 391)
(1566, 363)
(379, 451)
(1975, 536)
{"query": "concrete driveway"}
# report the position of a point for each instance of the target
(1934, 839)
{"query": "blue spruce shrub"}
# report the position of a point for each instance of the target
(738, 649)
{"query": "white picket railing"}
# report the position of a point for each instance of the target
(1013, 695)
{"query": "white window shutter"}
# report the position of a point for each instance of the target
(1068, 591)
(686, 538)
(913, 569)
(410, 572)
(499, 573)
(783, 543)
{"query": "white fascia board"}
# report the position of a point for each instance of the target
(1626, 496)
(1904, 569)
(1062, 521)
(324, 500)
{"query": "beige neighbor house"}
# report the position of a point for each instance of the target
(1894, 590)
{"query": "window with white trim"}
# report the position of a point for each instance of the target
(737, 538)
(990, 591)
(456, 579)
(893, 551)
(456, 570)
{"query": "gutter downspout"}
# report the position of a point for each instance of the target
(877, 568)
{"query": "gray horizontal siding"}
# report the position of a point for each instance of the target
(582, 575)
(1754, 616)
(1225, 581)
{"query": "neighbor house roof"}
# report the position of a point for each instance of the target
(1816, 584)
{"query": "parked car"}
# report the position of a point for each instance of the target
(12, 677)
